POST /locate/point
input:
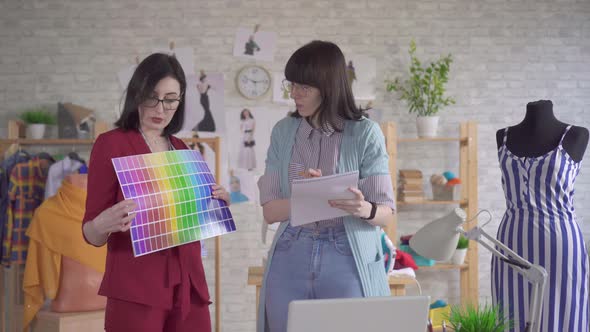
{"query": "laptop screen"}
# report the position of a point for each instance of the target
(379, 314)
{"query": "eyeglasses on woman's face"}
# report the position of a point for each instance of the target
(301, 89)
(168, 103)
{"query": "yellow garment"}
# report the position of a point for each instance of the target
(56, 230)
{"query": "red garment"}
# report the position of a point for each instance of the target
(403, 259)
(123, 316)
(149, 279)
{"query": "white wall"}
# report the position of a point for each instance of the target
(506, 53)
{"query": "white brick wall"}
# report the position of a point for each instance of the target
(506, 53)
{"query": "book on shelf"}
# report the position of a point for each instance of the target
(412, 193)
(406, 199)
(410, 173)
(412, 186)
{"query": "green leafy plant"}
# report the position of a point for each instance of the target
(463, 242)
(424, 90)
(38, 116)
(482, 318)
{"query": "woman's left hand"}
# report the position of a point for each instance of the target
(219, 192)
(357, 206)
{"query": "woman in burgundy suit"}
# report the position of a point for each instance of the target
(164, 290)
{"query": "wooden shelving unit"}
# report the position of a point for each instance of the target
(468, 163)
(15, 131)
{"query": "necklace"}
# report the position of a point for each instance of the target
(147, 141)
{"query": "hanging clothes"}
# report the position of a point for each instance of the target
(26, 190)
(56, 231)
(57, 173)
(5, 170)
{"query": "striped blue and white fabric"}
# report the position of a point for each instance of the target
(540, 225)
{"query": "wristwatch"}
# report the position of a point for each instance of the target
(373, 211)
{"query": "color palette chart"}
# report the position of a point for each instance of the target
(172, 191)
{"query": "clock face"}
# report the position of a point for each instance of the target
(253, 82)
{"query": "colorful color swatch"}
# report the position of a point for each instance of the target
(173, 194)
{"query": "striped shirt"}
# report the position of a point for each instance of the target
(320, 149)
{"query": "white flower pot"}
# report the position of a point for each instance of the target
(35, 131)
(458, 257)
(427, 126)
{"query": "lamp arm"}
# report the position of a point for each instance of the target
(535, 274)
(509, 256)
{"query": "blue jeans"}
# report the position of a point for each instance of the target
(309, 264)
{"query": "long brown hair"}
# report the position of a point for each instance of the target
(321, 64)
(145, 78)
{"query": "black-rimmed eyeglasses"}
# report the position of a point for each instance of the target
(168, 104)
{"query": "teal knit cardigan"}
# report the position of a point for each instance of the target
(362, 149)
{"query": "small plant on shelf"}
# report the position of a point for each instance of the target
(463, 242)
(425, 88)
(36, 119)
(38, 116)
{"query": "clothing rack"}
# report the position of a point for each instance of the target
(13, 294)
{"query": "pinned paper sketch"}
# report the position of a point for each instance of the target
(252, 43)
(124, 75)
(184, 55)
(362, 76)
(280, 93)
(204, 103)
(172, 191)
(247, 135)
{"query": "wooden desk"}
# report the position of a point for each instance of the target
(397, 285)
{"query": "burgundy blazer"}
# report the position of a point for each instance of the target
(149, 279)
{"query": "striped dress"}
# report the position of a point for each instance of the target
(540, 225)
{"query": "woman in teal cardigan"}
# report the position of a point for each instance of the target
(328, 134)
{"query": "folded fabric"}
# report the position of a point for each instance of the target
(405, 272)
(403, 259)
(56, 231)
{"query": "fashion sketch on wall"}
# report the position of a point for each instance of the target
(247, 157)
(204, 110)
(361, 71)
(207, 123)
(250, 126)
(279, 93)
(255, 44)
(236, 195)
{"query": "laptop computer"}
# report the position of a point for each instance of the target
(378, 314)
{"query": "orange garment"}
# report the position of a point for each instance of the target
(56, 230)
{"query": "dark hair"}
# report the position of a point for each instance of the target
(243, 116)
(321, 64)
(145, 78)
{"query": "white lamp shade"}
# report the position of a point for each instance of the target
(438, 239)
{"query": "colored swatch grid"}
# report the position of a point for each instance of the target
(172, 191)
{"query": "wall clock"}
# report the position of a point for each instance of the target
(253, 81)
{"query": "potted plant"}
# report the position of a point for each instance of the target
(36, 119)
(482, 318)
(461, 251)
(424, 91)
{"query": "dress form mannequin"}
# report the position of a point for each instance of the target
(539, 161)
(540, 132)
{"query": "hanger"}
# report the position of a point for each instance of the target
(74, 156)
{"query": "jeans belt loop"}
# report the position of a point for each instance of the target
(299, 229)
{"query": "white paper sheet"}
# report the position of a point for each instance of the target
(309, 197)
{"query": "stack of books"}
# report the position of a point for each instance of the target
(411, 186)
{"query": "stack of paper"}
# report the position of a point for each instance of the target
(309, 197)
